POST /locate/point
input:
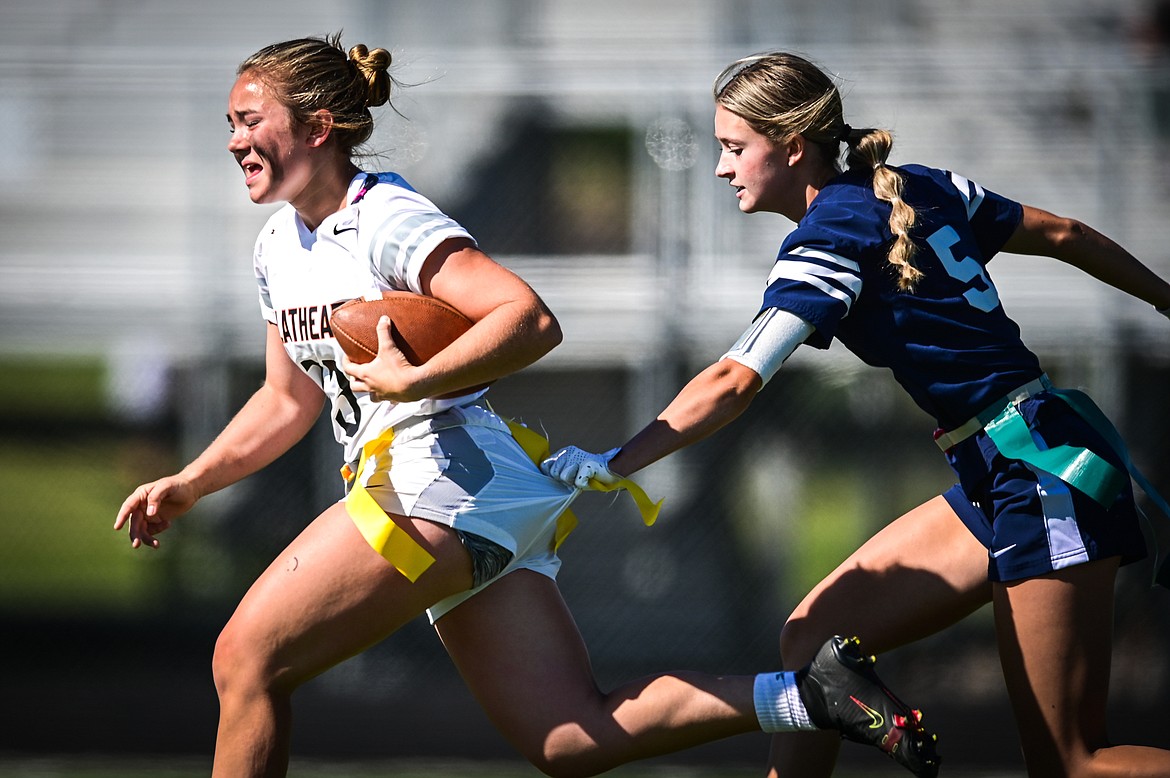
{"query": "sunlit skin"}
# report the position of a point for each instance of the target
(767, 176)
(284, 160)
(329, 595)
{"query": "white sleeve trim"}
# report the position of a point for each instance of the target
(770, 340)
(845, 273)
(402, 244)
(971, 192)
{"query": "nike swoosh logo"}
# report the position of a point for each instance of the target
(1002, 551)
(338, 230)
(877, 718)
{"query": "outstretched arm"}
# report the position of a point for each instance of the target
(1076, 243)
(707, 403)
(711, 400)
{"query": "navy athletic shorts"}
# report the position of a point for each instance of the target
(1030, 521)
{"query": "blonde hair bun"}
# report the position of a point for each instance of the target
(374, 67)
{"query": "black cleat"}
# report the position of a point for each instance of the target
(841, 691)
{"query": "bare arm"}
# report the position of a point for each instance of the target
(1073, 242)
(277, 416)
(712, 399)
(512, 329)
(709, 401)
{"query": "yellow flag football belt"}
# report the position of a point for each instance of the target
(405, 554)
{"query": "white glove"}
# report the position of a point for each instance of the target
(574, 467)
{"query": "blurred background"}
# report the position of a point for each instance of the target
(574, 140)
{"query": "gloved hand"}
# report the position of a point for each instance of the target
(575, 467)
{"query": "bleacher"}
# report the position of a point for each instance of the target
(120, 197)
(127, 236)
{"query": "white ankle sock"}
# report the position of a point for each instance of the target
(778, 704)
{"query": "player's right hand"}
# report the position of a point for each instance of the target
(150, 508)
(578, 468)
(389, 376)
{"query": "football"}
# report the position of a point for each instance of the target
(421, 327)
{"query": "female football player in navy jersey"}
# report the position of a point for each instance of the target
(892, 261)
(445, 512)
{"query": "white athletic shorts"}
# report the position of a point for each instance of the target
(462, 468)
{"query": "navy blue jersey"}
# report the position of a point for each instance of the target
(949, 343)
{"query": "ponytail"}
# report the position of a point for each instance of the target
(868, 150)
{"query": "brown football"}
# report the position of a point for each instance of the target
(421, 327)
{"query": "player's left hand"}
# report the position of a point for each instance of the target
(150, 509)
(389, 375)
(576, 467)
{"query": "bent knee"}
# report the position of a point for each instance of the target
(239, 664)
(800, 639)
(568, 752)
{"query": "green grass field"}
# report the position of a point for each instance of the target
(104, 768)
(171, 768)
(60, 557)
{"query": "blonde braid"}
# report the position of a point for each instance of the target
(868, 149)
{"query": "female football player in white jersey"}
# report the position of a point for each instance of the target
(893, 263)
(445, 511)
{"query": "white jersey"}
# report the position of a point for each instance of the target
(377, 243)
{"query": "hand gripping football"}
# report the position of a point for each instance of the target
(421, 327)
